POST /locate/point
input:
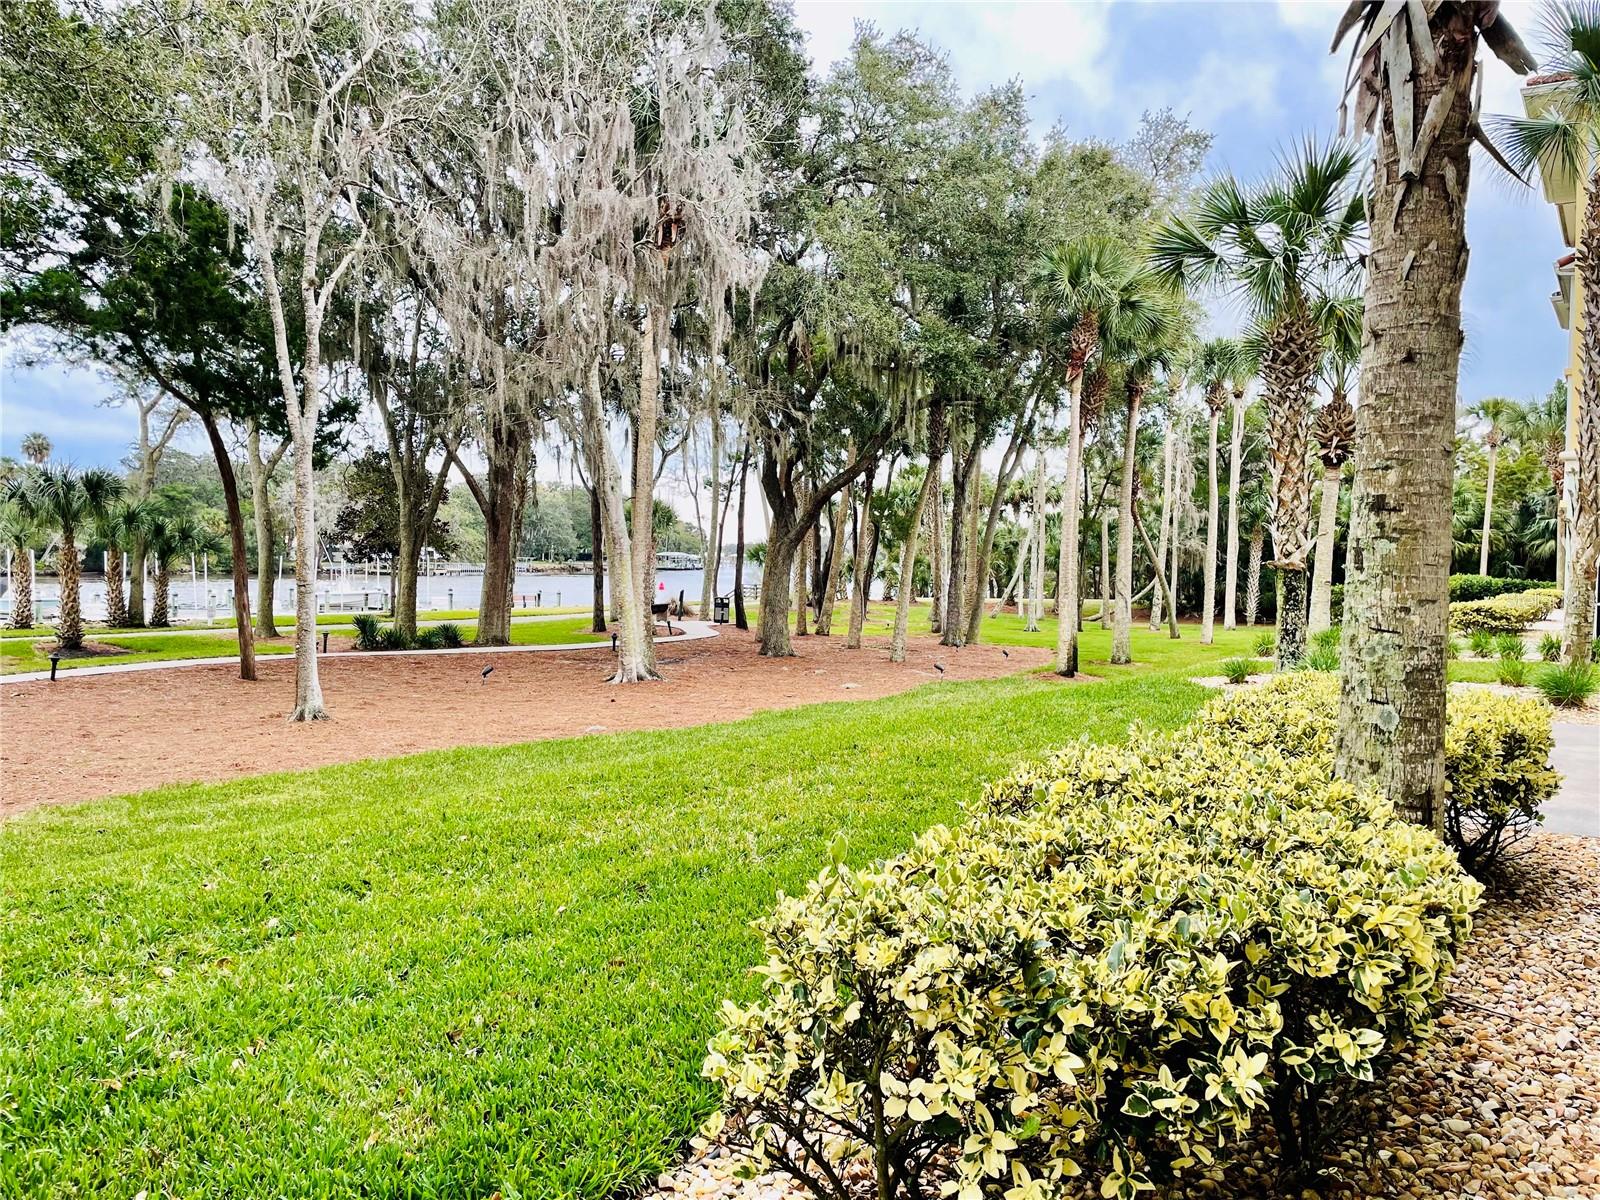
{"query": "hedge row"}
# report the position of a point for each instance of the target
(1480, 587)
(1122, 960)
(1510, 613)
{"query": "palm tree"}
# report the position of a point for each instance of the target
(1498, 415)
(1334, 430)
(1281, 248)
(172, 535)
(1217, 366)
(1095, 286)
(1254, 512)
(67, 501)
(1238, 384)
(36, 448)
(1414, 79)
(17, 532)
(116, 530)
(1542, 425)
(1563, 140)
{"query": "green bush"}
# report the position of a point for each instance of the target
(1481, 587)
(429, 639)
(367, 631)
(1550, 648)
(1266, 645)
(1569, 685)
(1237, 670)
(1497, 753)
(1120, 962)
(1482, 643)
(449, 635)
(1510, 645)
(392, 637)
(1504, 614)
(1512, 672)
(1321, 658)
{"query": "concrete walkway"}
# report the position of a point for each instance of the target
(1576, 806)
(693, 631)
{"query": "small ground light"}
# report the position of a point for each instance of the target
(324, 641)
(54, 659)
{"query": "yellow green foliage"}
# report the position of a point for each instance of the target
(1510, 613)
(1120, 962)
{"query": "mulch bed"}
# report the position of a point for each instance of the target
(107, 735)
(1504, 1104)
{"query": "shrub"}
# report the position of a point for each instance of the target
(367, 631)
(1237, 670)
(1569, 685)
(1321, 658)
(1510, 645)
(449, 635)
(1481, 587)
(1482, 643)
(1123, 959)
(1512, 672)
(1550, 648)
(392, 637)
(1266, 645)
(1504, 614)
(429, 639)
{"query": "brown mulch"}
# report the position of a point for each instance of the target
(108, 735)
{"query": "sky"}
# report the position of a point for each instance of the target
(1256, 73)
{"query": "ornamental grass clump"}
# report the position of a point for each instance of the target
(1569, 685)
(1121, 962)
(1237, 670)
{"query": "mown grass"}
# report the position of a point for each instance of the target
(17, 656)
(465, 972)
(426, 617)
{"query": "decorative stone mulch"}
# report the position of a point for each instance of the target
(1505, 1103)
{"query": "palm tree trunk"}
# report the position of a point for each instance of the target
(1584, 531)
(1107, 589)
(1322, 574)
(1230, 582)
(69, 622)
(1068, 604)
(1392, 693)
(936, 547)
(116, 598)
(1036, 592)
(740, 620)
(159, 618)
(1252, 585)
(136, 572)
(1166, 523)
(1208, 603)
(1122, 624)
(21, 588)
(1488, 512)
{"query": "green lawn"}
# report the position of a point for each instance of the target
(466, 972)
(425, 617)
(17, 655)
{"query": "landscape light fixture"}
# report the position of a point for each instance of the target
(55, 657)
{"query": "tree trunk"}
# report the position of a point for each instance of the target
(116, 599)
(740, 620)
(1068, 604)
(1230, 582)
(861, 587)
(1208, 602)
(1584, 530)
(830, 589)
(1107, 588)
(908, 552)
(21, 567)
(1036, 596)
(962, 468)
(266, 535)
(1158, 581)
(1322, 572)
(633, 664)
(1488, 510)
(69, 619)
(159, 607)
(802, 563)
(499, 497)
(1122, 623)
(1252, 583)
(136, 571)
(308, 701)
(1396, 611)
(644, 478)
(936, 548)
(241, 565)
(597, 562)
(708, 579)
(1169, 516)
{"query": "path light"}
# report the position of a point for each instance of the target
(324, 641)
(55, 657)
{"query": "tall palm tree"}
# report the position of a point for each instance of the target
(1095, 286)
(1498, 416)
(1542, 425)
(1153, 340)
(1217, 366)
(36, 448)
(1414, 75)
(172, 535)
(1563, 140)
(1334, 431)
(1238, 385)
(68, 502)
(116, 530)
(1280, 247)
(1254, 512)
(17, 532)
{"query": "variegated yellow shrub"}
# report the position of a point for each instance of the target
(1511, 613)
(1123, 960)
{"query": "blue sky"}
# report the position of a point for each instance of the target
(1257, 74)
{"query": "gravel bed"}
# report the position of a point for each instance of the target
(1505, 1103)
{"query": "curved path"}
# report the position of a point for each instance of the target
(692, 631)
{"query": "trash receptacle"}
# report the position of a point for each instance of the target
(721, 610)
